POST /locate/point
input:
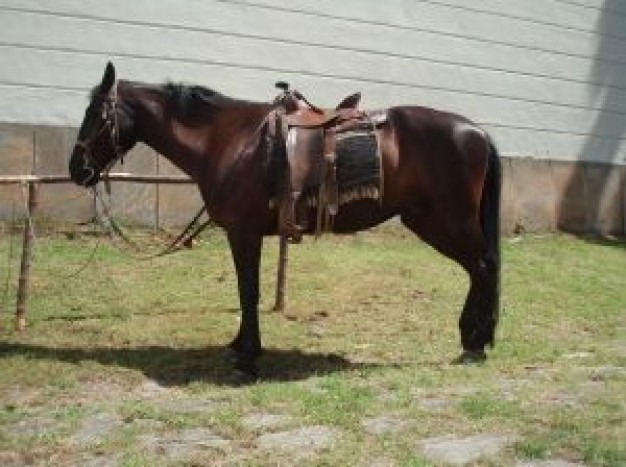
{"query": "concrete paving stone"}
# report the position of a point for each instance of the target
(95, 428)
(384, 424)
(548, 463)
(461, 451)
(32, 426)
(303, 442)
(189, 405)
(264, 421)
(183, 444)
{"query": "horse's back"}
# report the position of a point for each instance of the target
(431, 127)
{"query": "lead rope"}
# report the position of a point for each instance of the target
(185, 238)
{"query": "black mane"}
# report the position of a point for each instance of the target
(191, 100)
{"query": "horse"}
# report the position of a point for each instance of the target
(441, 177)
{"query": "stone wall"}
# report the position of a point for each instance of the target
(44, 150)
(538, 195)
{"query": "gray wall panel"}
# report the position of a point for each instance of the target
(547, 77)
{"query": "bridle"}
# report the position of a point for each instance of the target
(110, 124)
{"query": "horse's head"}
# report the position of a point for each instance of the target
(105, 133)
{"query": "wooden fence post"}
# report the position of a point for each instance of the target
(27, 250)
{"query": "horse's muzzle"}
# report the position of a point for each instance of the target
(81, 173)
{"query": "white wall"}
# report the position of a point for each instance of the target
(546, 77)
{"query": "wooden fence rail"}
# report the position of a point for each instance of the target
(34, 180)
(114, 177)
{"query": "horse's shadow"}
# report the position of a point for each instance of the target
(170, 366)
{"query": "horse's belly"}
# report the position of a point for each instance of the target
(352, 217)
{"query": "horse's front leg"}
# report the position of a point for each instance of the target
(246, 251)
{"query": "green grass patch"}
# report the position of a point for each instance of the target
(370, 331)
(482, 406)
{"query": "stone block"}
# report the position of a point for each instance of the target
(533, 195)
(604, 186)
(571, 205)
(62, 201)
(16, 157)
(507, 203)
(136, 202)
(178, 204)
(53, 148)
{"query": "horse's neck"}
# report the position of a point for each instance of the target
(195, 148)
(155, 126)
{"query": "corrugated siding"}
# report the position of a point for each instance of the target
(546, 77)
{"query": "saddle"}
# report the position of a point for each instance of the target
(310, 136)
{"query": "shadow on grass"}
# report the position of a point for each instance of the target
(615, 242)
(170, 366)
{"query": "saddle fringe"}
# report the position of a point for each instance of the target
(354, 194)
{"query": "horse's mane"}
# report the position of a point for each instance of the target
(191, 100)
(186, 96)
(192, 103)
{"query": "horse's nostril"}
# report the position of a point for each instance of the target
(83, 176)
(90, 181)
(90, 177)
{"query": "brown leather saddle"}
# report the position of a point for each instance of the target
(310, 135)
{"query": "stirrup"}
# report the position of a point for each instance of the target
(291, 232)
(288, 221)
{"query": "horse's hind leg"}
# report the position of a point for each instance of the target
(463, 242)
(478, 321)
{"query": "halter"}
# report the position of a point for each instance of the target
(110, 124)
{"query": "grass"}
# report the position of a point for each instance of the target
(370, 330)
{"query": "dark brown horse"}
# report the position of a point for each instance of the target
(442, 177)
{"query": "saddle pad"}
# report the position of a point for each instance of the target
(358, 164)
(358, 168)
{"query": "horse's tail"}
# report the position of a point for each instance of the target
(490, 223)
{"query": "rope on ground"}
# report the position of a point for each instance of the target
(88, 263)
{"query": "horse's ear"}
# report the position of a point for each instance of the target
(109, 78)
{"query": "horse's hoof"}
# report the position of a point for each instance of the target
(469, 357)
(244, 378)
